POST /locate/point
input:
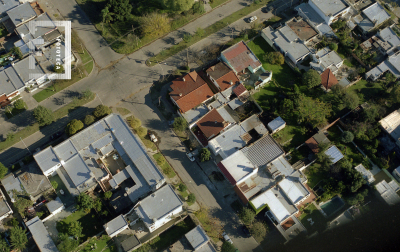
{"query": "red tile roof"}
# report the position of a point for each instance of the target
(189, 91)
(223, 75)
(328, 80)
(240, 89)
(211, 124)
(312, 144)
(240, 57)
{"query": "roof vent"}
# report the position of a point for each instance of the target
(180, 94)
(183, 78)
(216, 122)
(231, 82)
(153, 195)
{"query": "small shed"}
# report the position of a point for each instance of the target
(55, 206)
(276, 125)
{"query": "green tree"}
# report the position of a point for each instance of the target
(3, 170)
(287, 106)
(134, 122)
(121, 9)
(97, 205)
(67, 244)
(312, 111)
(89, 119)
(4, 246)
(75, 229)
(198, 7)
(18, 238)
(296, 89)
(180, 124)
(333, 46)
(141, 131)
(338, 24)
(54, 184)
(373, 113)
(101, 111)
(84, 202)
(200, 32)
(43, 115)
(258, 229)
(187, 37)
(13, 222)
(191, 198)
(182, 187)
(205, 155)
(227, 247)
(154, 24)
(73, 127)
(107, 16)
(19, 104)
(347, 137)
(311, 78)
(87, 94)
(351, 100)
(395, 93)
(177, 5)
(107, 195)
(247, 216)
(16, 52)
(389, 77)
(274, 58)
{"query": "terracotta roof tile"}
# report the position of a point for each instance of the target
(240, 89)
(211, 124)
(223, 75)
(312, 144)
(189, 91)
(328, 80)
(240, 57)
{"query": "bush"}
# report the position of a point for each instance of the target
(134, 122)
(333, 46)
(107, 195)
(13, 222)
(19, 104)
(3, 170)
(311, 78)
(347, 137)
(191, 198)
(141, 131)
(275, 58)
(43, 115)
(101, 111)
(180, 124)
(200, 32)
(17, 52)
(73, 127)
(247, 216)
(89, 119)
(227, 247)
(187, 38)
(58, 69)
(205, 155)
(54, 184)
(182, 187)
(160, 160)
(258, 230)
(198, 7)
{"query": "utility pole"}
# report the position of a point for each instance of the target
(25, 145)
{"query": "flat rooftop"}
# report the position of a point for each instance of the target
(391, 124)
(331, 7)
(41, 236)
(236, 167)
(254, 184)
(302, 29)
(294, 189)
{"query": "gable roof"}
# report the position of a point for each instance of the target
(264, 151)
(199, 239)
(21, 13)
(211, 124)
(41, 236)
(376, 14)
(240, 89)
(189, 91)
(10, 81)
(294, 189)
(240, 57)
(115, 224)
(218, 70)
(328, 80)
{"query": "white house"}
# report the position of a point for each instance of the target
(116, 226)
(54, 207)
(326, 58)
(159, 208)
(330, 10)
(5, 209)
(367, 175)
(294, 189)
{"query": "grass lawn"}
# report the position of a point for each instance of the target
(369, 90)
(216, 3)
(314, 177)
(85, 56)
(348, 63)
(123, 111)
(3, 31)
(90, 223)
(167, 169)
(102, 244)
(208, 223)
(316, 216)
(89, 67)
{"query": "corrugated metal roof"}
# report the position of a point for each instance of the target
(334, 153)
(264, 151)
(115, 224)
(107, 139)
(46, 159)
(41, 236)
(387, 193)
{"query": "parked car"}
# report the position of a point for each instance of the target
(226, 238)
(252, 19)
(190, 156)
(56, 135)
(245, 230)
(153, 138)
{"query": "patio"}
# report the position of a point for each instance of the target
(114, 162)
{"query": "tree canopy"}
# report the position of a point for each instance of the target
(258, 229)
(67, 244)
(180, 124)
(227, 247)
(89, 119)
(155, 24)
(311, 78)
(333, 46)
(107, 195)
(4, 246)
(73, 127)
(351, 100)
(3, 170)
(312, 110)
(247, 216)
(19, 104)
(75, 229)
(347, 137)
(176, 5)
(205, 155)
(101, 111)
(18, 238)
(84, 202)
(43, 115)
(121, 9)
(274, 58)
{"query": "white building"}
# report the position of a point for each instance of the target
(159, 208)
(388, 191)
(390, 41)
(294, 189)
(55, 207)
(116, 226)
(5, 209)
(391, 124)
(41, 236)
(367, 175)
(330, 10)
(375, 15)
(326, 58)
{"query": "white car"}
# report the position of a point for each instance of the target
(190, 156)
(226, 238)
(153, 138)
(252, 19)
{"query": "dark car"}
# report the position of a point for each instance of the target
(245, 231)
(56, 135)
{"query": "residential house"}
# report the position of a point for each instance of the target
(330, 10)
(390, 41)
(97, 155)
(326, 58)
(391, 124)
(371, 17)
(5, 209)
(159, 208)
(276, 125)
(294, 189)
(10, 85)
(189, 91)
(367, 175)
(328, 80)
(55, 207)
(40, 235)
(199, 240)
(116, 226)
(6, 6)
(245, 64)
(396, 173)
(30, 72)
(388, 191)
(314, 141)
(391, 64)
(21, 14)
(222, 76)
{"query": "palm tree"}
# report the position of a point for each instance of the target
(107, 16)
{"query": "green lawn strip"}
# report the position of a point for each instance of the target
(89, 67)
(165, 167)
(207, 32)
(101, 244)
(216, 3)
(31, 129)
(369, 90)
(316, 216)
(123, 111)
(85, 56)
(91, 225)
(348, 63)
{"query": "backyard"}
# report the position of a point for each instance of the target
(312, 219)
(102, 244)
(91, 224)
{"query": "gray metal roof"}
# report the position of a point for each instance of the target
(27, 35)
(235, 103)
(54, 205)
(264, 151)
(197, 237)
(65, 150)
(107, 139)
(130, 243)
(121, 176)
(331, 7)
(276, 123)
(307, 12)
(334, 153)
(8, 5)
(9, 81)
(388, 35)
(89, 135)
(46, 159)
(28, 69)
(21, 13)
(4, 207)
(77, 170)
(41, 236)
(376, 14)
(115, 224)
(10, 182)
(160, 203)
(387, 193)
(229, 141)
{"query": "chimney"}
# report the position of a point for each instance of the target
(183, 78)
(231, 82)
(180, 94)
